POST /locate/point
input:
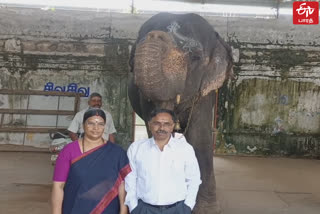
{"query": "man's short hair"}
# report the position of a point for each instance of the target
(95, 94)
(156, 111)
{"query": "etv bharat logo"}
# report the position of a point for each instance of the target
(305, 12)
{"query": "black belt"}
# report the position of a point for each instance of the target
(164, 207)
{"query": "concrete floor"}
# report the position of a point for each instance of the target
(248, 185)
(25, 182)
(267, 185)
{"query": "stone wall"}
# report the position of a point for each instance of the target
(49, 49)
(272, 107)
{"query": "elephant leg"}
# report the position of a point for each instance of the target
(199, 134)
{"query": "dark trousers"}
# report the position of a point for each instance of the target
(178, 208)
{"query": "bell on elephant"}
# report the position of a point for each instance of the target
(178, 99)
(177, 126)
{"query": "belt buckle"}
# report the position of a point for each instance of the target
(164, 207)
(169, 206)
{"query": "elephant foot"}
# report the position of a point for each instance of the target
(205, 208)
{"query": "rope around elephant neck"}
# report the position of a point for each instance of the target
(195, 98)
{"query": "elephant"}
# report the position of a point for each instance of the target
(177, 62)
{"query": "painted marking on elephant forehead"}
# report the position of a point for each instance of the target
(217, 60)
(189, 43)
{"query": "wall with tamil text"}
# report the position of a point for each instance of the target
(272, 106)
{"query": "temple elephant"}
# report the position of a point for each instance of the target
(177, 62)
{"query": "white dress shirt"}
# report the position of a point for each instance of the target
(76, 124)
(162, 177)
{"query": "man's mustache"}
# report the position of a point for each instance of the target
(162, 132)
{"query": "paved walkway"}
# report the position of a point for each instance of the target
(245, 185)
(250, 185)
(25, 182)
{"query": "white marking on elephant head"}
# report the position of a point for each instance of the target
(173, 27)
(188, 44)
(217, 60)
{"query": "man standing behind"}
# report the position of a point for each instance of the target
(95, 101)
(165, 175)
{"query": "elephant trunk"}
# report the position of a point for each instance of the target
(160, 68)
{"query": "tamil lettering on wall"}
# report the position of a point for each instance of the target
(72, 87)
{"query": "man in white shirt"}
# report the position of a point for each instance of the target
(165, 175)
(95, 101)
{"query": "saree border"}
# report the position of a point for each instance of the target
(87, 153)
(111, 194)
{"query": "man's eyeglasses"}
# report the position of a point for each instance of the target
(165, 125)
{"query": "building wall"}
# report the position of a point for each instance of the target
(271, 107)
(62, 47)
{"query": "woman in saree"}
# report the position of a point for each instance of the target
(89, 173)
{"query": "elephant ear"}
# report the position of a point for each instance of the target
(218, 67)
